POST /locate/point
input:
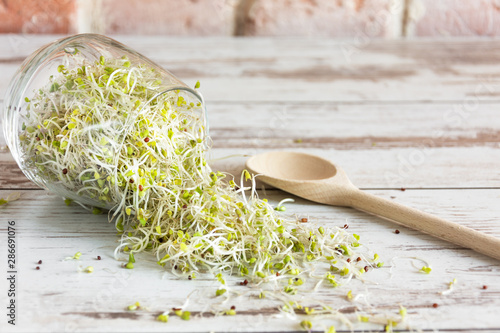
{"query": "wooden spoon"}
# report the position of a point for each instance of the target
(316, 179)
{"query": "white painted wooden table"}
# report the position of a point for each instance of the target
(418, 115)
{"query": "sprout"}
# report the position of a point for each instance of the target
(309, 311)
(134, 306)
(230, 312)
(162, 318)
(111, 132)
(11, 197)
(426, 269)
(131, 258)
(306, 324)
(186, 315)
(402, 311)
(451, 284)
(280, 206)
(363, 319)
(220, 292)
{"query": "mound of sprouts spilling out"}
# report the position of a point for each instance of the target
(107, 131)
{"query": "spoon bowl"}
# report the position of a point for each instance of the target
(307, 176)
(292, 166)
(317, 179)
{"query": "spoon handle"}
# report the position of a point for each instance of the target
(430, 224)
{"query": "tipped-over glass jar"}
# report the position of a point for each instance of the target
(96, 122)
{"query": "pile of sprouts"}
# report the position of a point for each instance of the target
(107, 132)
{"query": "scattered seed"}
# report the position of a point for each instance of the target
(37, 268)
(98, 257)
(146, 139)
(346, 226)
(141, 188)
(39, 262)
(435, 305)
(403, 189)
(233, 307)
(189, 277)
(348, 259)
(131, 181)
(64, 171)
(485, 287)
(303, 220)
(366, 268)
(358, 259)
(396, 231)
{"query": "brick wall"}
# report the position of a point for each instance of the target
(330, 18)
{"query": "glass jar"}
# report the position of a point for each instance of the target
(81, 111)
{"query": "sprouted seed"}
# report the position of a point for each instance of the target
(426, 269)
(230, 312)
(11, 197)
(451, 285)
(185, 315)
(220, 292)
(134, 306)
(306, 325)
(402, 311)
(162, 318)
(106, 132)
(76, 256)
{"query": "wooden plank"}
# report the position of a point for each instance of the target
(407, 145)
(398, 167)
(57, 296)
(267, 69)
(394, 168)
(362, 124)
(354, 125)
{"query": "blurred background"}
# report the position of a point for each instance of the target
(389, 19)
